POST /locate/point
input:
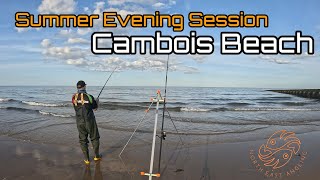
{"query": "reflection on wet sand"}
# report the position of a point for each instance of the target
(226, 161)
(97, 172)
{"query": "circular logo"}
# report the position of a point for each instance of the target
(279, 149)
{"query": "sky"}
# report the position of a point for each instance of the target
(62, 56)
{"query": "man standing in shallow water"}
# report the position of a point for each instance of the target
(84, 104)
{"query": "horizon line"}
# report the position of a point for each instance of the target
(152, 86)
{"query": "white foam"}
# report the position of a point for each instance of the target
(4, 99)
(53, 114)
(275, 109)
(32, 103)
(191, 109)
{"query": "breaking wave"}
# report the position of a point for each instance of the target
(192, 109)
(32, 103)
(275, 109)
(55, 115)
(36, 111)
(5, 99)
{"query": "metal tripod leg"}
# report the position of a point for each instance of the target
(150, 174)
(154, 138)
(156, 100)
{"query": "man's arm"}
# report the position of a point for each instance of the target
(94, 103)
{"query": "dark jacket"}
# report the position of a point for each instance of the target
(84, 104)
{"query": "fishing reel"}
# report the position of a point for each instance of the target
(163, 135)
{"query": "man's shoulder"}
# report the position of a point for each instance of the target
(89, 95)
(91, 98)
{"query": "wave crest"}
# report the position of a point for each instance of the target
(55, 115)
(33, 103)
(37, 111)
(5, 99)
(192, 109)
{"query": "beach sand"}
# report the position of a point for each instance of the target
(220, 161)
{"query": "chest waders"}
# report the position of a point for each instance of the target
(86, 123)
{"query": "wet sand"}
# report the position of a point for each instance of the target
(221, 161)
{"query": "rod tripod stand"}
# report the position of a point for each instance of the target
(157, 100)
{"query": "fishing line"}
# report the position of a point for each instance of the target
(175, 127)
(106, 82)
(146, 112)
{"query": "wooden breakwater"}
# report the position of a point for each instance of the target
(306, 93)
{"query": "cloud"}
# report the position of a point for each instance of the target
(140, 63)
(77, 62)
(86, 9)
(20, 30)
(100, 5)
(276, 59)
(46, 43)
(66, 32)
(62, 52)
(83, 31)
(71, 53)
(172, 2)
(81, 57)
(57, 6)
(116, 2)
(121, 2)
(304, 56)
(159, 5)
(151, 3)
(77, 41)
(199, 58)
(289, 59)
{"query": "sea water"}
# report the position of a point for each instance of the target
(46, 114)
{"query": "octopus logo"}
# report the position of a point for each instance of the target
(279, 149)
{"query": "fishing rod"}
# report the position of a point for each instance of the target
(163, 135)
(106, 82)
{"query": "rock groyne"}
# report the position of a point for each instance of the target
(306, 93)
